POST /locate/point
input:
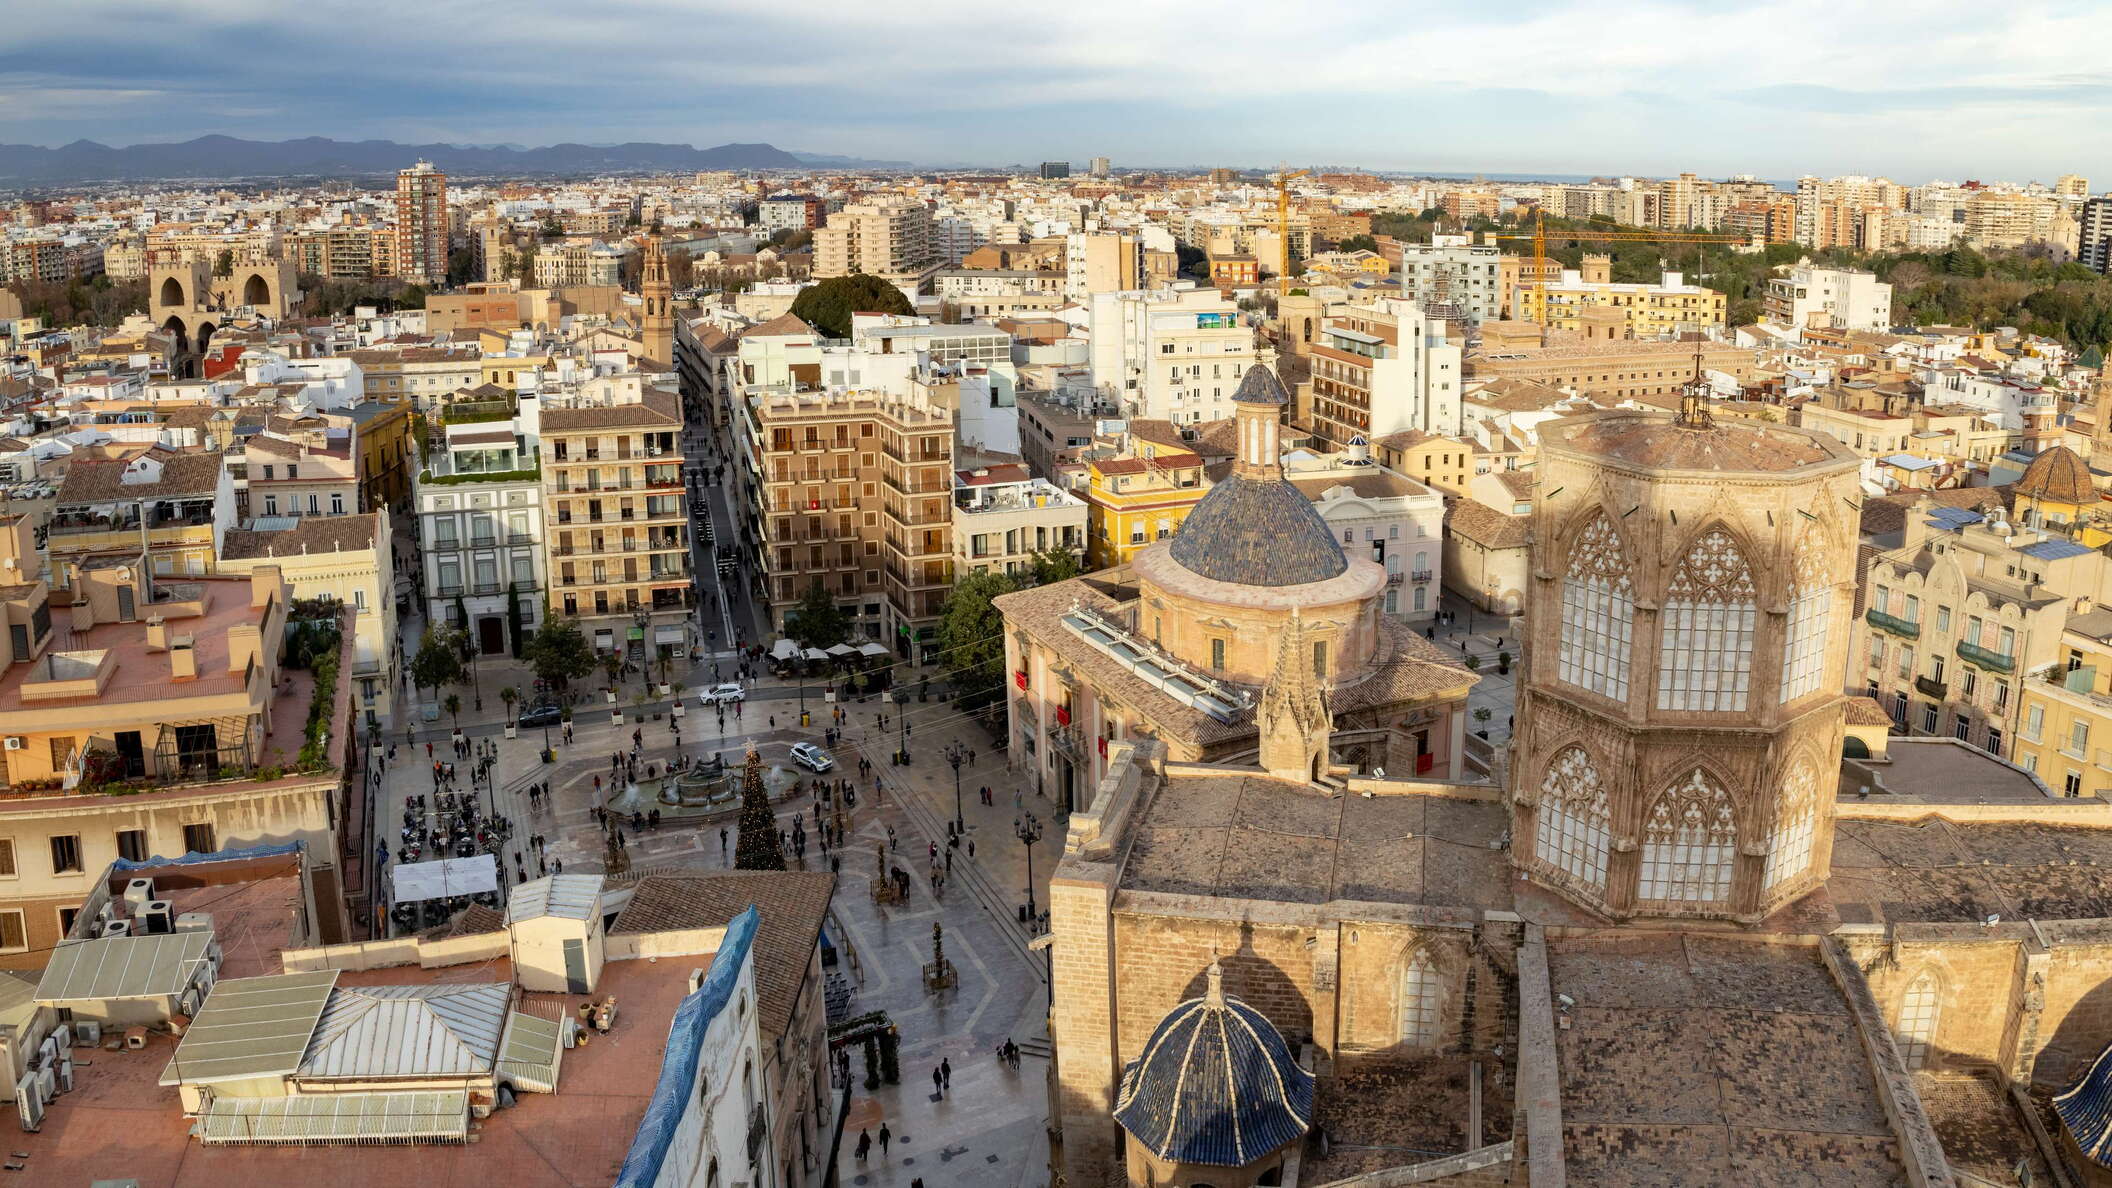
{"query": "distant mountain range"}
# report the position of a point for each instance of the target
(317, 156)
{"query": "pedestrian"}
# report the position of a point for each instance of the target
(946, 1071)
(971, 847)
(949, 862)
(938, 1080)
(557, 865)
(886, 1136)
(865, 1144)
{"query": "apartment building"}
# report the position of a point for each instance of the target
(1452, 268)
(481, 523)
(299, 473)
(1003, 515)
(574, 264)
(1672, 306)
(888, 237)
(2008, 218)
(423, 375)
(2064, 731)
(2094, 246)
(174, 508)
(615, 522)
(1101, 263)
(1836, 298)
(1383, 368)
(341, 561)
(1382, 515)
(1170, 354)
(1136, 495)
(421, 224)
(853, 490)
(998, 293)
(344, 252)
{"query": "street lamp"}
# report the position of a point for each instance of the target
(956, 756)
(902, 699)
(1027, 827)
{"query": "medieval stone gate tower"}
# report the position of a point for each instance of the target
(1680, 717)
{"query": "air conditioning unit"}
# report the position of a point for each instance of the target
(87, 1033)
(195, 922)
(63, 1070)
(29, 1102)
(138, 893)
(15, 742)
(63, 1036)
(159, 916)
(118, 928)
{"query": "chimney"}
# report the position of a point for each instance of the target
(183, 659)
(157, 633)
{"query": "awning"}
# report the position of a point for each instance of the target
(445, 878)
(667, 635)
(815, 654)
(843, 650)
(872, 649)
(159, 965)
(784, 649)
(365, 1118)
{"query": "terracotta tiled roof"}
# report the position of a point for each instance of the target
(314, 534)
(791, 903)
(1884, 514)
(658, 410)
(1471, 519)
(1864, 711)
(783, 323)
(93, 480)
(2059, 474)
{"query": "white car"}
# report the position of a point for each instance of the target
(811, 757)
(718, 694)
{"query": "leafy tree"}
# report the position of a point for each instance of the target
(461, 267)
(438, 662)
(224, 263)
(1358, 243)
(552, 229)
(514, 642)
(509, 695)
(558, 653)
(412, 297)
(972, 637)
(757, 848)
(828, 306)
(1049, 566)
(817, 622)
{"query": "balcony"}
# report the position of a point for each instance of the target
(1420, 575)
(1066, 741)
(1980, 657)
(1931, 687)
(1903, 628)
(931, 513)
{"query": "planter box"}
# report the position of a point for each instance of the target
(616, 718)
(608, 696)
(511, 730)
(681, 710)
(663, 690)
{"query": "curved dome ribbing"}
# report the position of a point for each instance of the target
(1216, 1084)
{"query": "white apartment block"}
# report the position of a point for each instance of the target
(1003, 514)
(1173, 354)
(1829, 298)
(1381, 515)
(1449, 266)
(480, 506)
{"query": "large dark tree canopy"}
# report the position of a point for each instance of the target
(828, 305)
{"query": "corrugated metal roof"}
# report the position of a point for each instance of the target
(18, 997)
(251, 1027)
(571, 897)
(529, 1056)
(123, 967)
(376, 1118)
(401, 1031)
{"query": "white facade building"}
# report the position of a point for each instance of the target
(1173, 354)
(1839, 298)
(1382, 515)
(480, 507)
(1454, 269)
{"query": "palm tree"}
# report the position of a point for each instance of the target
(509, 695)
(453, 706)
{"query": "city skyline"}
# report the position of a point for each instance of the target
(1566, 90)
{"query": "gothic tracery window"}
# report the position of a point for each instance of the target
(1419, 1001)
(1690, 843)
(1917, 1021)
(1796, 821)
(1804, 647)
(1705, 645)
(1598, 605)
(1573, 830)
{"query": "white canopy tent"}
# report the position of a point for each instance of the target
(784, 649)
(870, 648)
(815, 654)
(843, 650)
(444, 878)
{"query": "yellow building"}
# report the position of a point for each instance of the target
(385, 447)
(1138, 497)
(507, 371)
(174, 507)
(615, 522)
(1670, 306)
(2064, 735)
(1433, 459)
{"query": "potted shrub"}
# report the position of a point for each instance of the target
(509, 695)
(1473, 662)
(1503, 662)
(1482, 715)
(680, 709)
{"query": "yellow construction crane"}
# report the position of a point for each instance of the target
(1539, 240)
(1284, 178)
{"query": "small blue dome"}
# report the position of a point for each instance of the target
(1216, 1084)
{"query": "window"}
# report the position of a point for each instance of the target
(1597, 612)
(1967, 682)
(1217, 654)
(2034, 722)
(1906, 662)
(1917, 1021)
(1943, 619)
(1796, 813)
(1419, 1001)
(14, 935)
(2009, 641)
(2002, 695)
(1913, 614)
(1804, 649)
(2073, 784)
(337, 503)
(66, 854)
(1877, 652)
(1928, 718)
(132, 845)
(1961, 726)
(198, 839)
(1690, 842)
(1573, 833)
(2079, 739)
(1994, 742)
(1319, 659)
(1706, 646)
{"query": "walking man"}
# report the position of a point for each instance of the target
(938, 1079)
(946, 1072)
(886, 1136)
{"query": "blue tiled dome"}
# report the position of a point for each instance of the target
(1216, 1084)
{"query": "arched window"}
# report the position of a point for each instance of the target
(1796, 818)
(1705, 646)
(1421, 595)
(1804, 648)
(1598, 602)
(1419, 999)
(1573, 832)
(1917, 1021)
(1689, 844)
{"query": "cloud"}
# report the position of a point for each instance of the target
(1777, 87)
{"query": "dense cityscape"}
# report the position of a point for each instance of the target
(1270, 675)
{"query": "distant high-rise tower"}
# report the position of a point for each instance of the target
(421, 224)
(1100, 167)
(659, 294)
(1055, 169)
(2096, 237)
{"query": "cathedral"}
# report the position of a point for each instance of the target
(1702, 922)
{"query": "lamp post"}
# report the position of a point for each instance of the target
(1027, 827)
(957, 756)
(902, 699)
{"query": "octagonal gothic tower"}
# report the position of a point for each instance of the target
(1681, 713)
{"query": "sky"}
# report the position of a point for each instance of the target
(1774, 88)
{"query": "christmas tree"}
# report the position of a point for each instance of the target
(758, 848)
